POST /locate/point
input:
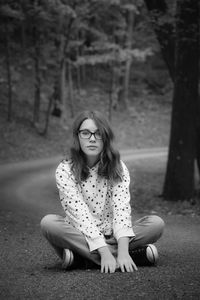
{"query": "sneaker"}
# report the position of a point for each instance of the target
(68, 258)
(145, 256)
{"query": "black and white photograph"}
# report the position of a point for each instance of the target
(99, 149)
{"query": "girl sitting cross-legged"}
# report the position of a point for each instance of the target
(93, 185)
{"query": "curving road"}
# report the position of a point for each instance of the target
(26, 183)
(28, 265)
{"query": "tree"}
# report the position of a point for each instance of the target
(163, 22)
(183, 68)
(53, 34)
(111, 29)
(179, 180)
(9, 16)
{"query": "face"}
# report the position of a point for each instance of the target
(91, 147)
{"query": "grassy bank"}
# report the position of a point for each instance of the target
(147, 124)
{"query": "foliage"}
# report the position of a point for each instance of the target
(80, 32)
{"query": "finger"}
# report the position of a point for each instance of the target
(122, 268)
(134, 266)
(102, 269)
(112, 269)
(115, 267)
(130, 268)
(106, 269)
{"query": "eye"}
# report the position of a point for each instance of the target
(98, 134)
(85, 132)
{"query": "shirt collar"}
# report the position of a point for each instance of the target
(94, 168)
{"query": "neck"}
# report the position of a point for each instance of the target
(91, 161)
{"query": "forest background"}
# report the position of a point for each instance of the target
(60, 57)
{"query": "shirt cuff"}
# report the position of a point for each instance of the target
(124, 232)
(95, 243)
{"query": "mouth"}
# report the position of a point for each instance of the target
(92, 147)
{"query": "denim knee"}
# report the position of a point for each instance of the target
(158, 223)
(46, 222)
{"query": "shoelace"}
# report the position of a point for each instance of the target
(139, 250)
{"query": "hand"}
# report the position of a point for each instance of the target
(108, 262)
(125, 263)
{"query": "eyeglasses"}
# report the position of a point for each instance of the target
(86, 134)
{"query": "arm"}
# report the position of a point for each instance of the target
(76, 210)
(122, 224)
(108, 262)
(124, 260)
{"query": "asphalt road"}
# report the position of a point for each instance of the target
(30, 270)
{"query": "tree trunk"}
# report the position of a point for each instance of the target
(198, 136)
(8, 67)
(78, 72)
(129, 61)
(47, 116)
(123, 100)
(164, 32)
(37, 85)
(62, 89)
(110, 104)
(165, 36)
(63, 44)
(70, 90)
(23, 27)
(179, 180)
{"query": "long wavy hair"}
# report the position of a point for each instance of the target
(109, 163)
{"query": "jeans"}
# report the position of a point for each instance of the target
(64, 236)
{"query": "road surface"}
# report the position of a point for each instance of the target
(30, 269)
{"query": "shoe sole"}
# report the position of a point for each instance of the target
(68, 255)
(152, 254)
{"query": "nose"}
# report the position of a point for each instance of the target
(92, 138)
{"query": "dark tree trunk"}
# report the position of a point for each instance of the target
(166, 38)
(47, 117)
(198, 136)
(70, 89)
(179, 180)
(37, 85)
(8, 67)
(164, 32)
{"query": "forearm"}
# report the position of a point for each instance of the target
(125, 262)
(103, 251)
(108, 262)
(123, 245)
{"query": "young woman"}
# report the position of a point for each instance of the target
(93, 186)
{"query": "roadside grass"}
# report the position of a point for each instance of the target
(147, 181)
(147, 124)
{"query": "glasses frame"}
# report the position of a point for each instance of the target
(90, 134)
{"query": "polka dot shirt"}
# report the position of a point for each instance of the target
(95, 207)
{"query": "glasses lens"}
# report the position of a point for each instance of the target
(84, 134)
(98, 135)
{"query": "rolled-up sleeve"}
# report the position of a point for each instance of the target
(122, 223)
(76, 210)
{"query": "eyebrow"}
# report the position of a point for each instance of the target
(89, 130)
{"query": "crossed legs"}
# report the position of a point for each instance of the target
(64, 236)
